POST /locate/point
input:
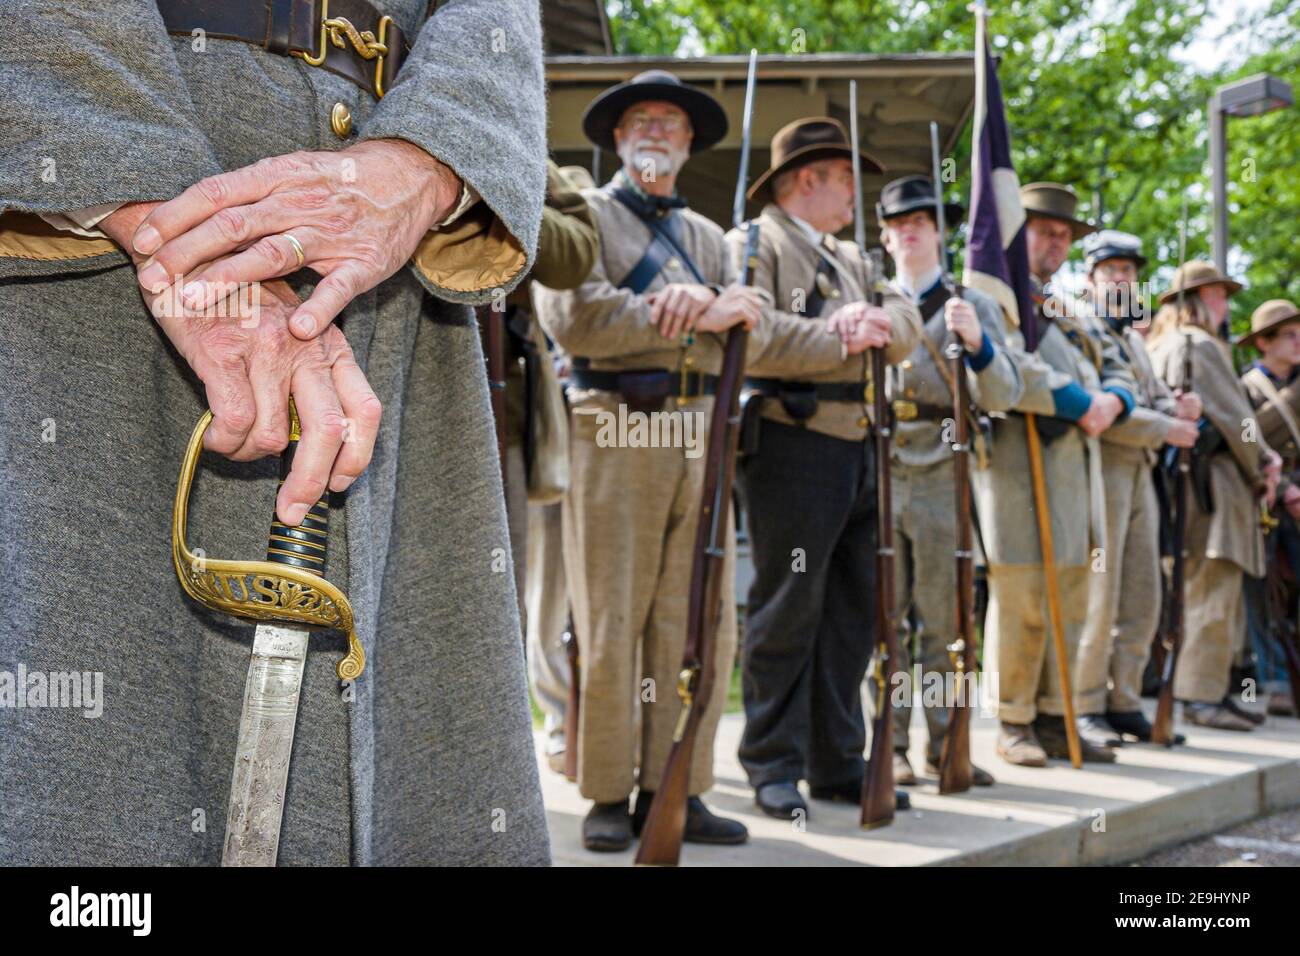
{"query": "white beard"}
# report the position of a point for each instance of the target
(650, 164)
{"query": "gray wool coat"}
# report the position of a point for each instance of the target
(432, 762)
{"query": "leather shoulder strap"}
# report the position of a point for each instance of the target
(1273, 398)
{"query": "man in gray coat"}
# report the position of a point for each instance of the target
(289, 142)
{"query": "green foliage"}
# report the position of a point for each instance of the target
(1101, 96)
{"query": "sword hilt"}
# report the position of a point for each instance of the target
(303, 546)
(288, 587)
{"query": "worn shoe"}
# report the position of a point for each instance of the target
(1254, 717)
(555, 762)
(1051, 733)
(1280, 704)
(1133, 723)
(852, 793)
(702, 825)
(781, 800)
(1094, 729)
(904, 775)
(979, 776)
(1018, 744)
(607, 828)
(1214, 715)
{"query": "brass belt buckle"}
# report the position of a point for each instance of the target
(364, 43)
(905, 411)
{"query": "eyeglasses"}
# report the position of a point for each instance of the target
(643, 121)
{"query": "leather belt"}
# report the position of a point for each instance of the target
(906, 410)
(347, 37)
(824, 391)
(675, 384)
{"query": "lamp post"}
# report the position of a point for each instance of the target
(1249, 97)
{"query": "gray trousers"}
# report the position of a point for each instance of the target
(810, 501)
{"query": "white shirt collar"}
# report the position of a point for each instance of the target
(813, 235)
(924, 283)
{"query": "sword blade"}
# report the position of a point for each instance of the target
(266, 729)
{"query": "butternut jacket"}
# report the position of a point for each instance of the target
(800, 348)
(1071, 361)
(993, 376)
(1232, 531)
(1147, 426)
(610, 326)
(1277, 409)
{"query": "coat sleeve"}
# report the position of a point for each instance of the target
(1042, 382)
(1224, 405)
(995, 382)
(1143, 428)
(567, 244)
(789, 345)
(86, 87)
(471, 95)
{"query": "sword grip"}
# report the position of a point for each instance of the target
(303, 546)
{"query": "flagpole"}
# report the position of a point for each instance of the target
(1042, 505)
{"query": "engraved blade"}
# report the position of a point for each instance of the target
(265, 742)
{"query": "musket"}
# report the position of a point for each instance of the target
(661, 837)
(493, 321)
(878, 780)
(571, 711)
(1162, 728)
(956, 773)
(289, 597)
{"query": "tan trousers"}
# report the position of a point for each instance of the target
(629, 533)
(1124, 596)
(1214, 626)
(1018, 641)
(925, 537)
(546, 596)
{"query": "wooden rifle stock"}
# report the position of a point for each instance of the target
(955, 771)
(1162, 729)
(661, 837)
(878, 782)
(571, 710)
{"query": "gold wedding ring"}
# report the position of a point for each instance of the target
(297, 247)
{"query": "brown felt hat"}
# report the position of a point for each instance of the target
(1055, 201)
(1193, 275)
(1273, 314)
(806, 141)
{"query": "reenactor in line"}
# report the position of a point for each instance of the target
(807, 475)
(1234, 469)
(1122, 617)
(1077, 388)
(1271, 383)
(922, 462)
(642, 330)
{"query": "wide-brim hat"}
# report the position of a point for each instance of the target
(1193, 275)
(708, 118)
(806, 141)
(906, 195)
(1271, 315)
(1055, 201)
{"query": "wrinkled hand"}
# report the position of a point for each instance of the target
(1182, 433)
(861, 326)
(358, 214)
(1188, 405)
(1101, 414)
(959, 316)
(250, 364)
(676, 307)
(1291, 501)
(738, 304)
(1272, 476)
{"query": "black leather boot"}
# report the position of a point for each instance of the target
(607, 828)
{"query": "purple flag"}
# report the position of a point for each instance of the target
(997, 260)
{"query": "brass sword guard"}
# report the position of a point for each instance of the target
(258, 590)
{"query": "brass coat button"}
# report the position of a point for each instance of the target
(341, 120)
(862, 422)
